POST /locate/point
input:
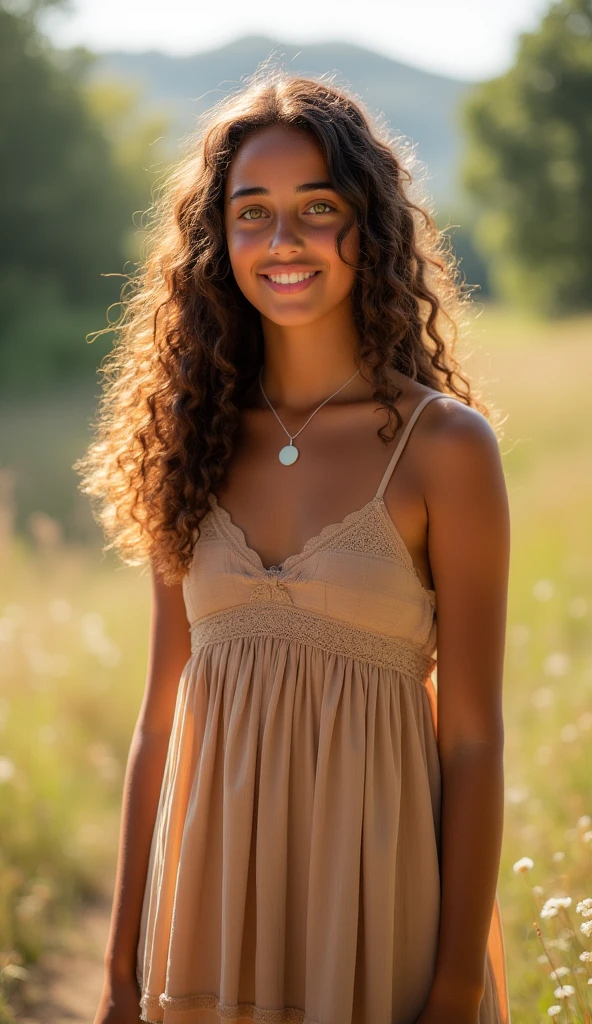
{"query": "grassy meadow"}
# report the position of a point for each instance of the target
(73, 651)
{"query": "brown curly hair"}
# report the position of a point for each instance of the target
(189, 345)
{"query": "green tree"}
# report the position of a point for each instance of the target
(74, 173)
(139, 147)
(528, 168)
(63, 205)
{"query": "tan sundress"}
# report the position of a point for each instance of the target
(294, 867)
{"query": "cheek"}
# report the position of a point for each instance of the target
(243, 254)
(236, 248)
(351, 247)
(349, 251)
(242, 248)
(344, 274)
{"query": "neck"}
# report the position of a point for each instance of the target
(303, 365)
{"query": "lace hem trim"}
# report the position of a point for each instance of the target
(206, 1000)
(288, 622)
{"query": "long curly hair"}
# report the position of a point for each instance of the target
(188, 344)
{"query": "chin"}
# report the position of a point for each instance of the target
(293, 318)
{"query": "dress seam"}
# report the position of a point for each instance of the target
(288, 623)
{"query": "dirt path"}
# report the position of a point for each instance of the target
(65, 986)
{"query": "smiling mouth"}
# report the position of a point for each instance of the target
(289, 283)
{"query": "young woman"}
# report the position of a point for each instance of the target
(311, 828)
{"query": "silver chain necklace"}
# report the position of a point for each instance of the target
(289, 453)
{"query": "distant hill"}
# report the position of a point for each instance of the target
(422, 106)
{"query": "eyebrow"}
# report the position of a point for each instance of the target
(258, 190)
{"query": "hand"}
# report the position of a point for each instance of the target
(451, 1002)
(119, 1002)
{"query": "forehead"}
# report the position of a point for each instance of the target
(272, 155)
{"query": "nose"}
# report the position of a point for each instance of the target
(286, 238)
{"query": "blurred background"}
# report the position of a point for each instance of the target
(496, 98)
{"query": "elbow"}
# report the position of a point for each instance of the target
(490, 747)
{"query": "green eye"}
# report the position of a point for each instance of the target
(255, 214)
(324, 205)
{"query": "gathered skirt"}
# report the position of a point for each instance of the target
(294, 870)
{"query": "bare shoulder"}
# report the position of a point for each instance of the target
(455, 437)
(453, 420)
(463, 477)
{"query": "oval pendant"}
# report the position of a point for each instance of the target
(288, 455)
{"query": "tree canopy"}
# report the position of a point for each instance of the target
(74, 173)
(529, 165)
(62, 205)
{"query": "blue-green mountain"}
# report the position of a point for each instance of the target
(423, 107)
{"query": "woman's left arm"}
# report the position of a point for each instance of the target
(469, 550)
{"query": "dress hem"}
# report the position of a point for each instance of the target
(226, 1011)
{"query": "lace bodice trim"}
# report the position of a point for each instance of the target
(205, 1000)
(369, 530)
(285, 621)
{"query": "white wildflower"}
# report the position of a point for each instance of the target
(519, 634)
(587, 837)
(586, 957)
(586, 928)
(544, 697)
(564, 991)
(577, 607)
(559, 901)
(549, 911)
(7, 769)
(543, 590)
(108, 654)
(524, 864)
(517, 794)
(585, 908)
(584, 822)
(60, 610)
(569, 733)
(17, 613)
(554, 1010)
(7, 628)
(93, 628)
(558, 663)
(560, 972)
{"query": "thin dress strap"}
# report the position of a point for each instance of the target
(403, 440)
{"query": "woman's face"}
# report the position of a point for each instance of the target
(282, 219)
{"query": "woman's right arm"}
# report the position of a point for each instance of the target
(169, 650)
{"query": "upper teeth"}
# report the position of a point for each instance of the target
(289, 278)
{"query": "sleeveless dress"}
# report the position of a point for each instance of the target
(294, 866)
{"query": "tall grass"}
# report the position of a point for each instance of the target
(73, 631)
(72, 666)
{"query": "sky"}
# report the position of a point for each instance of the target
(468, 39)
